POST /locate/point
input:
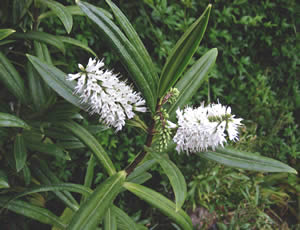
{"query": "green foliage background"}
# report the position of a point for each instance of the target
(255, 73)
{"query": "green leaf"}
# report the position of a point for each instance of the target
(26, 175)
(245, 160)
(123, 220)
(12, 79)
(110, 222)
(31, 211)
(65, 217)
(135, 40)
(5, 33)
(140, 179)
(49, 149)
(95, 207)
(61, 12)
(3, 180)
(162, 203)
(20, 152)
(73, 10)
(176, 178)
(8, 120)
(127, 52)
(56, 79)
(75, 42)
(192, 80)
(141, 169)
(54, 187)
(36, 87)
(183, 52)
(41, 37)
(91, 142)
(88, 179)
(46, 176)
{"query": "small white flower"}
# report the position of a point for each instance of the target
(205, 127)
(106, 95)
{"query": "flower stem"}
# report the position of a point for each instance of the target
(130, 168)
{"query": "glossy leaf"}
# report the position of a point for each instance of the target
(37, 92)
(41, 37)
(183, 52)
(78, 43)
(245, 160)
(8, 120)
(3, 180)
(89, 175)
(135, 40)
(12, 79)
(56, 79)
(65, 217)
(54, 187)
(126, 51)
(20, 152)
(141, 169)
(192, 80)
(26, 174)
(73, 10)
(5, 33)
(46, 176)
(91, 142)
(60, 10)
(162, 203)
(123, 220)
(175, 176)
(110, 222)
(42, 215)
(95, 207)
(49, 149)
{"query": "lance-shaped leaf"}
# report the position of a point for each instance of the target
(245, 160)
(192, 80)
(135, 40)
(94, 208)
(8, 120)
(11, 78)
(56, 79)
(61, 12)
(123, 220)
(89, 175)
(73, 10)
(42, 215)
(127, 52)
(41, 37)
(46, 176)
(91, 142)
(5, 33)
(75, 42)
(49, 149)
(110, 221)
(54, 187)
(20, 152)
(175, 176)
(141, 169)
(3, 180)
(162, 203)
(36, 86)
(183, 52)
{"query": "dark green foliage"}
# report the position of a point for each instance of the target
(255, 73)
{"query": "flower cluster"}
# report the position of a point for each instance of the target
(205, 127)
(106, 95)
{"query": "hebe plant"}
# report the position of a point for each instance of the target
(40, 112)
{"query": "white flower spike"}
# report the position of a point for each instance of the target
(106, 95)
(205, 127)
